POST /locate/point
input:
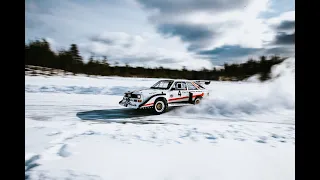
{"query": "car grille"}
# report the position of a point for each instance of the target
(132, 95)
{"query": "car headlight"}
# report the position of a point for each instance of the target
(138, 96)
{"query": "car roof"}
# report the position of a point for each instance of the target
(175, 80)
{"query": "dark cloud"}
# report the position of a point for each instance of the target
(101, 40)
(286, 25)
(193, 47)
(228, 53)
(125, 41)
(182, 6)
(197, 36)
(194, 34)
(283, 51)
(187, 32)
(200, 36)
(237, 54)
(284, 39)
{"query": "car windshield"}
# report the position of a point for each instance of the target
(163, 84)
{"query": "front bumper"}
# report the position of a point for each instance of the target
(129, 104)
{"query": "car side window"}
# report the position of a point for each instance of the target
(183, 86)
(179, 86)
(191, 86)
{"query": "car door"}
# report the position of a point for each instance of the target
(193, 90)
(179, 93)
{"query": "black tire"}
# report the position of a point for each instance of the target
(197, 100)
(160, 106)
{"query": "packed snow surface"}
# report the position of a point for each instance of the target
(75, 129)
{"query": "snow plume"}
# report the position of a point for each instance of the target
(273, 99)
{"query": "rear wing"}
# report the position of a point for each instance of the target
(200, 83)
(206, 82)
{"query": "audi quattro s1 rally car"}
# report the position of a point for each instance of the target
(166, 93)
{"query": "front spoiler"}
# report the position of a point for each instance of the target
(128, 104)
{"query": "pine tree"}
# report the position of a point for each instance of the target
(76, 58)
(75, 54)
(105, 61)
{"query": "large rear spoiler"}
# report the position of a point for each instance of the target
(206, 82)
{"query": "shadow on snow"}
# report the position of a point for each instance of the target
(123, 116)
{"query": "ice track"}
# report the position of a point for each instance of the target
(75, 129)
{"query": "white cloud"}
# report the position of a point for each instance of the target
(133, 34)
(144, 51)
(238, 26)
(135, 40)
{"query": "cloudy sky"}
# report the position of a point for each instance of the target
(169, 33)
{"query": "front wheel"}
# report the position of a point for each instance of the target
(160, 106)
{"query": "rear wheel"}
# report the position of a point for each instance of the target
(197, 100)
(160, 106)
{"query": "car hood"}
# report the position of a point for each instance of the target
(148, 91)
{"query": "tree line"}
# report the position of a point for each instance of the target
(39, 53)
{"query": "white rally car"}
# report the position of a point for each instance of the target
(166, 93)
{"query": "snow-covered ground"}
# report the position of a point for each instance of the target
(75, 129)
